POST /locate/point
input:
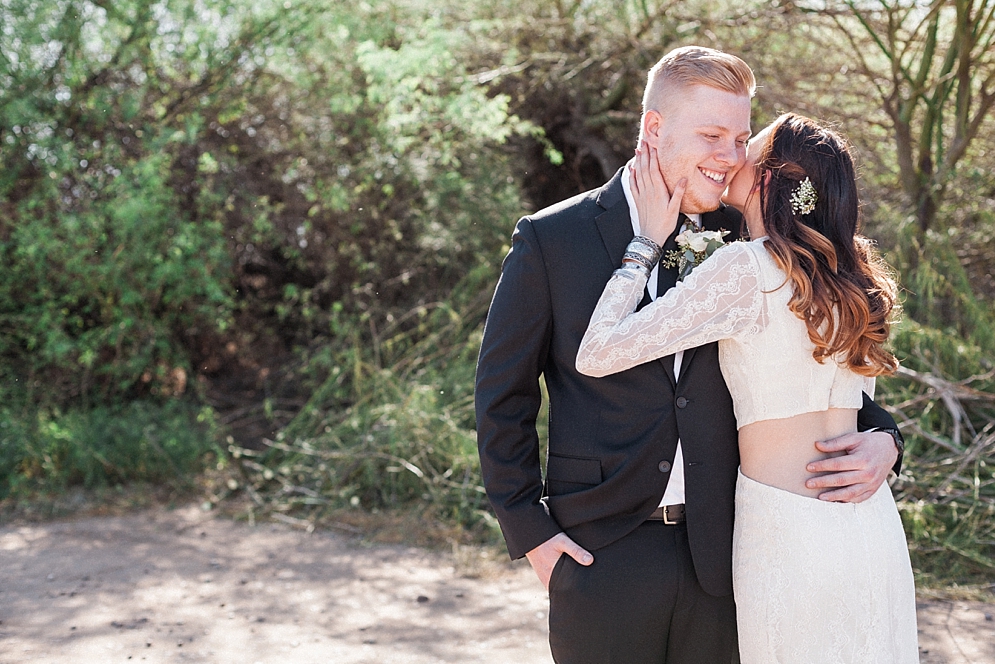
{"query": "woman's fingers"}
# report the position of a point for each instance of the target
(657, 165)
(642, 167)
(658, 207)
(648, 175)
(655, 174)
(674, 207)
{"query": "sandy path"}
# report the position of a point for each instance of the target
(182, 585)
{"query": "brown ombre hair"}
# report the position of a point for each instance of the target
(842, 289)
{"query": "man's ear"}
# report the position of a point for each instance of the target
(652, 125)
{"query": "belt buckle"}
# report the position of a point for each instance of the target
(666, 517)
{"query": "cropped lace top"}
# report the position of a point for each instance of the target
(738, 297)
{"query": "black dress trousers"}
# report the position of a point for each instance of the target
(639, 603)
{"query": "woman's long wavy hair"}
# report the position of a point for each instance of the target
(842, 289)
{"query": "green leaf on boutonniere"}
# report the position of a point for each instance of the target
(695, 246)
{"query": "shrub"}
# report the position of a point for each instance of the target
(49, 450)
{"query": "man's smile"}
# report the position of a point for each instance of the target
(718, 177)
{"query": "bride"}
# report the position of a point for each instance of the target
(801, 316)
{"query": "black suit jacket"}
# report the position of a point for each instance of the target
(612, 440)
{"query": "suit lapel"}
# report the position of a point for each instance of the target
(613, 224)
(615, 227)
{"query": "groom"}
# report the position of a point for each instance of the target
(630, 527)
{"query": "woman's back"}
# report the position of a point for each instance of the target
(785, 400)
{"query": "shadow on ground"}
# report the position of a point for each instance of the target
(182, 585)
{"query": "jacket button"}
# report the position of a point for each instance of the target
(681, 402)
(664, 466)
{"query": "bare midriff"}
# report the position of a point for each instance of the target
(775, 452)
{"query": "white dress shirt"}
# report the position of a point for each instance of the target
(674, 493)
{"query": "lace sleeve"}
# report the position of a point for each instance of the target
(721, 298)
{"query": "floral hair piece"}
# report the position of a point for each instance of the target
(804, 198)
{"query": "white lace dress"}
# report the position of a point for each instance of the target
(814, 582)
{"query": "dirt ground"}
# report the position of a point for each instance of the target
(187, 585)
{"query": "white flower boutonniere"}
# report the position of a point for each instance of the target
(695, 246)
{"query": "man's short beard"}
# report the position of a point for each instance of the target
(692, 205)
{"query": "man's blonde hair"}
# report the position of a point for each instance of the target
(696, 65)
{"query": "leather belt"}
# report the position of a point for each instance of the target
(669, 514)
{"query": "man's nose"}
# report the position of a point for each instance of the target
(729, 154)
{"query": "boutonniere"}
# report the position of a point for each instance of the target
(695, 246)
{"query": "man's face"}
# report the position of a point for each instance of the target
(701, 134)
(742, 190)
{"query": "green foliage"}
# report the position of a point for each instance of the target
(110, 269)
(47, 450)
(946, 492)
(117, 272)
(96, 300)
(408, 206)
(944, 400)
(942, 297)
(390, 425)
(308, 202)
(186, 180)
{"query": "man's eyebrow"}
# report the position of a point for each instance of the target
(722, 128)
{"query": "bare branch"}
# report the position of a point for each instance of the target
(908, 423)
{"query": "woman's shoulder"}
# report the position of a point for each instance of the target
(743, 251)
(748, 257)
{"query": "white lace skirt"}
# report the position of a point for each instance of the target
(819, 582)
